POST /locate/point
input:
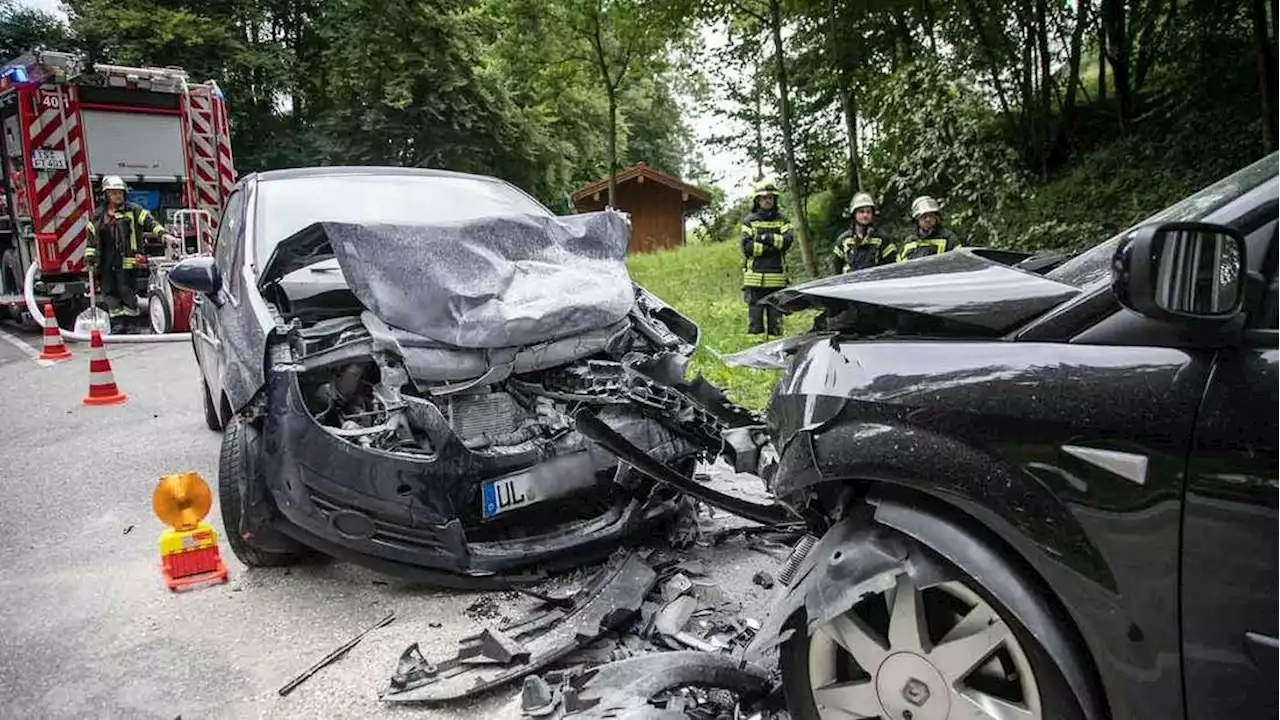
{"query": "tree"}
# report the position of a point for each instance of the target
(616, 38)
(24, 28)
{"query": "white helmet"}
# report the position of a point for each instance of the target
(861, 200)
(924, 204)
(113, 182)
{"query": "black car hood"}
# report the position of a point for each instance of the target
(490, 282)
(962, 286)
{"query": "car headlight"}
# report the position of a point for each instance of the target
(773, 355)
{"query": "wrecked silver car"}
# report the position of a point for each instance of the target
(397, 358)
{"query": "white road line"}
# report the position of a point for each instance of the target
(18, 342)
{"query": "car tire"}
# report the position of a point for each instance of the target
(240, 443)
(893, 689)
(211, 417)
(158, 313)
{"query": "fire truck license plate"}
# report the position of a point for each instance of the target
(48, 160)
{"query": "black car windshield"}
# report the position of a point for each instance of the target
(286, 205)
(1094, 265)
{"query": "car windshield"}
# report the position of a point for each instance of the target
(1094, 265)
(286, 205)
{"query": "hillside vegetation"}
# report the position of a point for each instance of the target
(705, 283)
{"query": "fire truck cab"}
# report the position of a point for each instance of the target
(63, 127)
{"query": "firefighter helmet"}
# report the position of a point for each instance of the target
(765, 187)
(924, 204)
(113, 182)
(861, 200)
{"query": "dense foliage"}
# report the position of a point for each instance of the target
(1036, 123)
(512, 88)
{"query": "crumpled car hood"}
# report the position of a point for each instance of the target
(490, 282)
(960, 286)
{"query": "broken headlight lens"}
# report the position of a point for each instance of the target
(773, 355)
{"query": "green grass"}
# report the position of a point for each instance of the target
(705, 283)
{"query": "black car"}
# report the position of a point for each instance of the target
(1045, 494)
(397, 356)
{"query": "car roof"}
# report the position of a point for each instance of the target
(339, 170)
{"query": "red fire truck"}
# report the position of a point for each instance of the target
(65, 125)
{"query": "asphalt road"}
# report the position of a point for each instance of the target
(87, 629)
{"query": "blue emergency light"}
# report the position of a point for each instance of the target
(16, 73)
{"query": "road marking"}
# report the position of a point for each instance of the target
(19, 343)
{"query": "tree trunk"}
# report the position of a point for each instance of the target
(1113, 18)
(1266, 74)
(1046, 83)
(975, 18)
(848, 107)
(908, 51)
(1102, 60)
(613, 148)
(1067, 117)
(758, 124)
(793, 179)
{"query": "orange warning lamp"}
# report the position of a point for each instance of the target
(188, 547)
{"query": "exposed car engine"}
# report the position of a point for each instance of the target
(375, 387)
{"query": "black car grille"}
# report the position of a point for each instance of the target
(388, 532)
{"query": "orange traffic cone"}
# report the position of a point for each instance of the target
(54, 348)
(102, 384)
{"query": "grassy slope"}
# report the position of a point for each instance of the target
(704, 282)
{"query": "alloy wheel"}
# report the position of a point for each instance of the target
(905, 654)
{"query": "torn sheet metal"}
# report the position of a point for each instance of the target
(491, 282)
(524, 646)
(592, 427)
(622, 690)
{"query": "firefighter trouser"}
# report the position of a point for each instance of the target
(757, 311)
(117, 283)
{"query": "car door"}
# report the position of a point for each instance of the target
(206, 324)
(1229, 567)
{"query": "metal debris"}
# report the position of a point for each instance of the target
(538, 699)
(624, 690)
(530, 643)
(333, 656)
(678, 585)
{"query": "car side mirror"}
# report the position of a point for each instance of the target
(198, 274)
(1181, 271)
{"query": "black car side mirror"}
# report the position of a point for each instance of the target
(1181, 271)
(198, 274)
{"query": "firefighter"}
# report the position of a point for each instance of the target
(114, 245)
(930, 237)
(862, 245)
(766, 237)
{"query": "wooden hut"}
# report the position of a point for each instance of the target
(657, 202)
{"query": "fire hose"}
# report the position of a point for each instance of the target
(29, 293)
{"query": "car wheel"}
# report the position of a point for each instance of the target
(951, 650)
(158, 311)
(236, 474)
(211, 417)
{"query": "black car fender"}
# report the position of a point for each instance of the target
(863, 554)
(853, 455)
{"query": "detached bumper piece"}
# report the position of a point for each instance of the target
(501, 655)
(624, 689)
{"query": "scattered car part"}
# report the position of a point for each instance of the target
(526, 645)
(797, 556)
(333, 656)
(671, 620)
(538, 698)
(622, 690)
(590, 425)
